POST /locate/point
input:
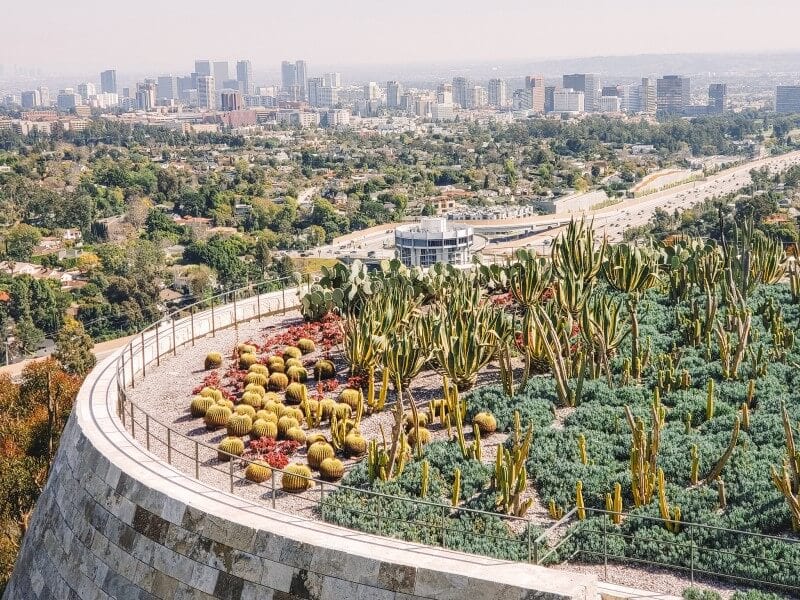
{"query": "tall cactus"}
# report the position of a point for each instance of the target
(671, 516)
(787, 480)
(644, 453)
(723, 460)
(510, 475)
(529, 277)
(456, 487)
(614, 504)
(579, 504)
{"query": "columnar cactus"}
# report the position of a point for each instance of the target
(579, 504)
(258, 471)
(296, 478)
(456, 495)
(614, 504)
(582, 449)
(217, 416)
(230, 446)
(318, 452)
(199, 405)
(331, 469)
(672, 517)
(213, 361)
(306, 345)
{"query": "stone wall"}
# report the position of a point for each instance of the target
(115, 522)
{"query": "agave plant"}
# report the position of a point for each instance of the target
(529, 277)
(565, 362)
(572, 292)
(575, 251)
(754, 258)
(632, 270)
(602, 331)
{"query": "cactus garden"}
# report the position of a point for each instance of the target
(652, 389)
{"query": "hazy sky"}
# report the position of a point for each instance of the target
(86, 35)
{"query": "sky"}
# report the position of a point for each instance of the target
(166, 36)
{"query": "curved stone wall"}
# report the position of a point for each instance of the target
(115, 522)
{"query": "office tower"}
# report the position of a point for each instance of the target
(320, 94)
(333, 80)
(717, 98)
(244, 75)
(648, 99)
(611, 90)
(444, 93)
(108, 82)
(206, 92)
(610, 104)
(589, 84)
(288, 75)
(301, 75)
(228, 84)
(221, 71)
(167, 88)
(535, 83)
(67, 100)
(372, 91)
(30, 99)
(394, 89)
(477, 97)
(673, 94)
(232, 100)
(185, 83)
(44, 95)
(86, 90)
(146, 95)
(787, 99)
(497, 93)
(569, 100)
(202, 68)
(461, 86)
(549, 101)
(126, 92)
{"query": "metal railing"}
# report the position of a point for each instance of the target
(446, 526)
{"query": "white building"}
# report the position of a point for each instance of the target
(568, 101)
(497, 93)
(442, 112)
(610, 104)
(86, 89)
(433, 240)
(477, 97)
(206, 92)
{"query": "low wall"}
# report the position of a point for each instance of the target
(116, 522)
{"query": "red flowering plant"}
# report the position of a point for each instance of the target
(275, 453)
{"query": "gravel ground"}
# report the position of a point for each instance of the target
(167, 390)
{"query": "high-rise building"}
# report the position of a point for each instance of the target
(673, 93)
(167, 88)
(185, 83)
(221, 72)
(44, 95)
(497, 93)
(648, 99)
(301, 74)
(589, 84)
(444, 93)
(86, 90)
(787, 99)
(108, 82)
(333, 80)
(67, 100)
(610, 104)
(231, 100)
(394, 90)
(288, 75)
(477, 97)
(549, 102)
(146, 95)
(372, 91)
(535, 83)
(461, 87)
(569, 101)
(206, 92)
(202, 68)
(244, 75)
(320, 94)
(30, 99)
(717, 98)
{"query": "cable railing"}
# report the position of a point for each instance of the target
(440, 524)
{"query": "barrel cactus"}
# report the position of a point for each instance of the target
(342, 410)
(306, 345)
(226, 403)
(295, 373)
(276, 364)
(256, 378)
(328, 405)
(245, 409)
(318, 452)
(199, 405)
(239, 425)
(278, 382)
(295, 393)
(217, 416)
(262, 428)
(246, 349)
(212, 393)
(291, 352)
(296, 478)
(230, 446)
(424, 436)
(324, 369)
(258, 471)
(213, 361)
(293, 362)
(422, 420)
(285, 424)
(266, 415)
(258, 368)
(256, 389)
(313, 438)
(486, 422)
(252, 399)
(331, 469)
(295, 434)
(247, 360)
(351, 397)
(355, 444)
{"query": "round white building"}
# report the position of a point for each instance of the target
(434, 240)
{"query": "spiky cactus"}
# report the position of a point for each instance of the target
(456, 495)
(217, 416)
(710, 400)
(256, 378)
(255, 389)
(285, 423)
(510, 474)
(787, 480)
(644, 452)
(318, 452)
(425, 478)
(278, 382)
(212, 393)
(252, 399)
(230, 446)
(247, 360)
(355, 444)
(419, 434)
(582, 449)
(331, 469)
(262, 428)
(614, 504)
(239, 425)
(213, 361)
(351, 397)
(306, 345)
(694, 476)
(291, 352)
(258, 471)
(723, 460)
(579, 504)
(276, 364)
(295, 393)
(295, 434)
(258, 368)
(672, 517)
(296, 478)
(486, 423)
(199, 405)
(324, 369)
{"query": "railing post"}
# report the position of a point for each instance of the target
(691, 553)
(380, 524)
(530, 553)
(213, 321)
(258, 305)
(444, 518)
(174, 339)
(322, 500)
(191, 320)
(158, 346)
(230, 471)
(283, 296)
(169, 446)
(196, 459)
(124, 385)
(124, 425)
(235, 316)
(133, 423)
(605, 550)
(147, 431)
(272, 476)
(143, 359)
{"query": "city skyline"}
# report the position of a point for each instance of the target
(443, 32)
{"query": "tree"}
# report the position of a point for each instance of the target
(74, 348)
(201, 280)
(28, 337)
(21, 241)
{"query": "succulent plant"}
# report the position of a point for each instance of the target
(258, 471)
(295, 393)
(485, 422)
(324, 369)
(245, 409)
(256, 389)
(293, 362)
(226, 403)
(306, 345)
(355, 444)
(252, 399)
(276, 364)
(314, 438)
(256, 378)
(246, 349)
(230, 446)
(273, 397)
(199, 405)
(258, 368)
(342, 410)
(351, 397)
(212, 393)
(331, 469)
(285, 423)
(327, 405)
(295, 373)
(239, 425)
(291, 352)
(263, 428)
(422, 420)
(213, 361)
(247, 360)
(296, 478)
(278, 382)
(424, 436)
(318, 452)
(217, 416)
(296, 434)
(266, 415)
